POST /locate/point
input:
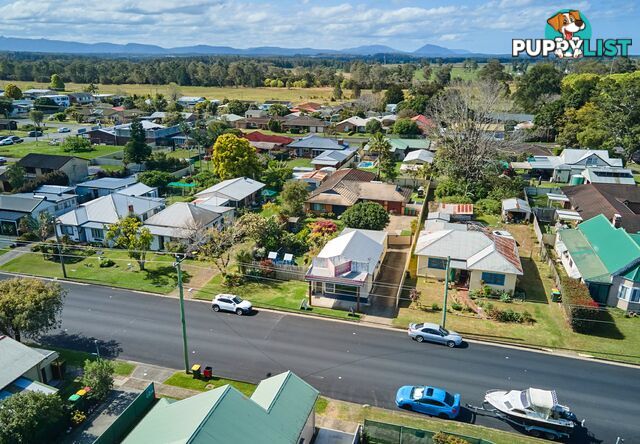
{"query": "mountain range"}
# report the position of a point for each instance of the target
(15, 44)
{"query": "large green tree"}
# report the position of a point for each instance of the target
(366, 216)
(494, 71)
(276, 174)
(405, 127)
(56, 83)
(36, 117)
(136, 149)
(129, 233)
(12, 91)
(29, 306)
(380, 146)
(76, 144)
(234, 157)
(16, 175)
(536, 85)
(31, 417)
(393, 94)
(6, 106)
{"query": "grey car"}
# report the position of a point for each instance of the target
(434, 333)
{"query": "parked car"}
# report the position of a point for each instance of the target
(231, 302)
(10, 140)
(5, 142)
(34, 134)
(81, 130)
(64, 129)
(3, 160)
(429, 400)
(434, 333)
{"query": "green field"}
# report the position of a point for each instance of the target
(43, 147)
(259, 94)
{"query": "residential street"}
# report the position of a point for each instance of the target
(348, 362)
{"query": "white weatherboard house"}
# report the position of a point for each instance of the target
(415, 159)
(181, 222)
(347, 266)
(572, 162)
(478, 256)
(238, 193)
(89, 222)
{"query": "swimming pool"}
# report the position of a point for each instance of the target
(366, 164)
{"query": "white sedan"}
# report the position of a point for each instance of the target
(64, 129)
(231, 302)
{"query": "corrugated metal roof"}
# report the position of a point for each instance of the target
(584, 257)
(15, 360)
(236, 189)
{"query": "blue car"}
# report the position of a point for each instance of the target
(430, 400)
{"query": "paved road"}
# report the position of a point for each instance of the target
(349, 362)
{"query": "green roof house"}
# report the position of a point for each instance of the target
(281, 410)
(401, 147)
(606, 258)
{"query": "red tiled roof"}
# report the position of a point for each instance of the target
(118, 108)
(422, 120)
(450, 208)
(257, 136)
(507, 248)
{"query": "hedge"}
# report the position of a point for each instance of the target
(580, 306)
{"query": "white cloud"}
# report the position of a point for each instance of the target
(449, 37)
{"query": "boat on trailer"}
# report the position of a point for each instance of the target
(535, 410)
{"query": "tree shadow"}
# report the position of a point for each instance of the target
(405, 300)
(531, 282)
(165, 275)
(108, 349)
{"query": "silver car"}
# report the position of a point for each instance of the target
(231, 302)
(434, 333)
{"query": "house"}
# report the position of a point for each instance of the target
(139, 190)
(515, 210)
(391, 108)
(181, 222)
(313, 145)
(355, 124)
(415, 159)
(256, 122)
(457, 212)
(314, 178)
(424, 123)
(606, 258)
(231, 118)
(251, 113)
(280, 411)
(92, 189)
(89, 222)
(401, 147)
(257, 136)
(623, 176)
(303, 124)
(348, 265)
(308, 107)
(14, 208)
(478, 256)
(571, 162)
(275, 146)
(240, 192)
(155, 134)
(590, 200)
(63, 198)
(159, 116)
(334, 158)
(34, 93)
(190, 101)
(347, 187)
(25, 368)
(62, 100)
(37, 165)
(81, 98)
(8, 125)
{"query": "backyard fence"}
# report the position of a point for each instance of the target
(129, 417)
(382, 433)
(283, 272)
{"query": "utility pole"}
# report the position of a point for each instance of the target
(60, 256)
(446, 292)
(182, 319)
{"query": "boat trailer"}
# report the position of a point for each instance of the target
(533, 430)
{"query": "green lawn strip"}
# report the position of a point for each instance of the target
(182, 154)
(75, 358)
(159, 275)
(283, 295)
(356, 413)
(182, 380)
(43, 147)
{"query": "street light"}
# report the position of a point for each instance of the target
(95, 341)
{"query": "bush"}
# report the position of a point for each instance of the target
(29, 237)
(76, 144)
(579, 305)
(509, 316)
(435, 306)
(366, 216)
(455, 199)
(456, 306)
(161, 162)
(505, 297)
(488, 206)
(448, 187)
(232, 280)
(106, 263)
(445, 438)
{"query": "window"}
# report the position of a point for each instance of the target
(493, 278)
(97, 233)
(67, 229)
(317, 207)
(437, 264)
(631, 294)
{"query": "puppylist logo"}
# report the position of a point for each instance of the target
(568, 34)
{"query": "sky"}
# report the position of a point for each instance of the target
(477, 26)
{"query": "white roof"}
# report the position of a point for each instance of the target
(146, 125)
(137, 189)
(16, 359)
(55, 189)
(109, 209)
(515, 204)
(109, 183)
(474, 247)
(557, 197)
(418, 156)
(365, 246)
(572, 156)
(568, 215)
(332, 157)
(180, 220)
(233, 189)
(231, 117)
(621, 176)
(356, 121)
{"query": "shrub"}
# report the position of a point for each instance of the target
(448, 187)
(488, 206)
(232, 280)
(579, 305)
(29, 236)
(106, 263)
(456, 198)
(505, 297)
(509, 316)
(76, 144)
(445, 438)
(78, 417)
(456, 306)
(435, 306)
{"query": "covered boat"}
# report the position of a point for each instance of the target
(534, 409)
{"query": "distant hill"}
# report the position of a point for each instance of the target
(15, 44)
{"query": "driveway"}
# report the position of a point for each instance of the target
(385, 288)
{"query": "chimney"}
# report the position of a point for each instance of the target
(340, 141)
(616, 220)
(131, 208)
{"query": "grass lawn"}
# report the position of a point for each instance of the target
(43, 147)
(322, 94)
(75, 358)
(159, 276)
(182, 380)
(300, 162)
(182, 153)
(285, 295)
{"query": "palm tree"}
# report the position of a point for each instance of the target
(379, 144)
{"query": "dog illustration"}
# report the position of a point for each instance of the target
(567, 24)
